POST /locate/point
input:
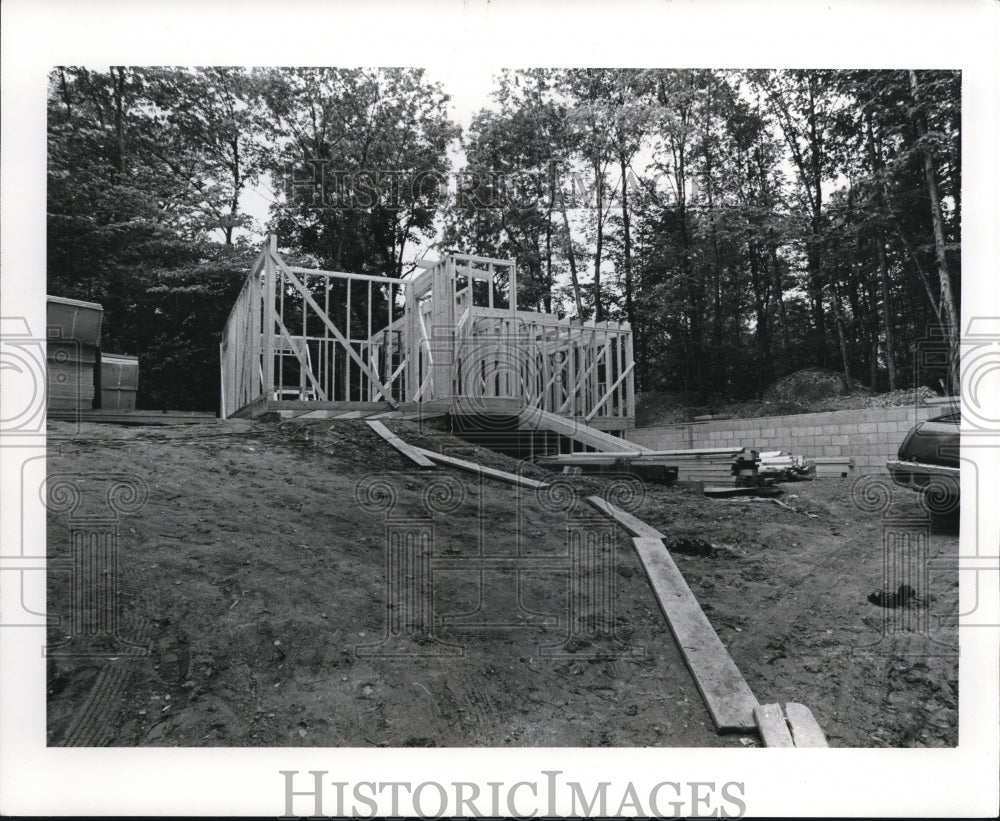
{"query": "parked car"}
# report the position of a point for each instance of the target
(928, 462)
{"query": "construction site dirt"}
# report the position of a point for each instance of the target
(255, 581)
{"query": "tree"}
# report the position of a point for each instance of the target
(376, 141)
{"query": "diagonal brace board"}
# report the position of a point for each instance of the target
(384, 392)
(301, 357)
(726, 693)
(409, 451)
(610, 392)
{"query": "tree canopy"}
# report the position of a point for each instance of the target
(746, 223)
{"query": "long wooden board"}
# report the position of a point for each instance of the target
(482, 470)
(728, 697)
(771, 726)
(806, 731)
(134, 417)
(571, 458)
(408, 451)
(537, 419)
(633, 525)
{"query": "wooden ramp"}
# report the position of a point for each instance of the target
(537, 419)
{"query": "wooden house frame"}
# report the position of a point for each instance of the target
(451, 336)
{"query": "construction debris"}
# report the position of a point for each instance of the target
(725, 492)
(739, 466)
(784, 467)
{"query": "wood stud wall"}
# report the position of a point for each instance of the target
(454, 329)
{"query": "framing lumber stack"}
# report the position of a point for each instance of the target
(708, 465)
(119, 381)
(73, 351)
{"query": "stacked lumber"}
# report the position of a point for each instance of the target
(119, 381)
(714, 468)
(783, 467)
(707, 464)
(72, 352)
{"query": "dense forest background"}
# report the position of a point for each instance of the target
(746, 223)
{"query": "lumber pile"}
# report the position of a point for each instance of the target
(119, 381)
(784, 467)
(72, 351)
(707, 464)
(716, 466)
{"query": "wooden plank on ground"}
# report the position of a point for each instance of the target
(771, 725)
(723, 492)
(133, 417)
(728, 697)
(408, 451)
(635, 526)
(537, 419)
(806, 731)
(482, 470)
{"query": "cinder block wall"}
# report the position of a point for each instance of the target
(870, 437)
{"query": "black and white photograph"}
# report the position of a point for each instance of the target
(432, 431)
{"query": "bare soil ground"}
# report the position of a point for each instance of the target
(254, 575)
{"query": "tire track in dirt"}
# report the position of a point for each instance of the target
(94, 725)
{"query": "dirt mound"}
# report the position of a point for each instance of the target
(659, 408)
(809, 384)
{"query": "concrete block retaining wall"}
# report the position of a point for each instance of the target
(869, 437)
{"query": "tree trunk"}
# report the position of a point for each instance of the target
(873, 346)
(878, 168)
(890, 345)
(814, 255)
(948, 305)
(841, 338)
(626, 243)
(234, 202)
(548, 239)
(779, 293)
(599, 179)
(572, 259)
